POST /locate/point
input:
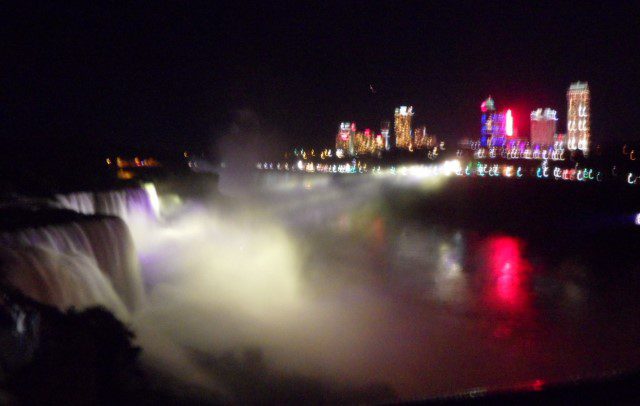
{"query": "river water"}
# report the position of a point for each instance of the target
(439, 305)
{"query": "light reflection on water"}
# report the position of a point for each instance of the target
(469, 309)
(508, 274)
(434, 263)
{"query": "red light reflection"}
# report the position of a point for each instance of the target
(508, 274)
(537, 385)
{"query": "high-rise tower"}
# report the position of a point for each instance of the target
(384, 131)
(578, 117)
(345, 138)
(492, 125)
(402, 126)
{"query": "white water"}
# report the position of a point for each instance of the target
(60, 280)
(82, 202)
(130, 204)
(47, 262)
(104, 244)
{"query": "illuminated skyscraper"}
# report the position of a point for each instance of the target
(345, 139)
(402, 126)
(365, 142)
(578, 117)
(370, 141)
(384, 131)
(543, 127)
(492, 124)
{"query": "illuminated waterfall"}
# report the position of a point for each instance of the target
(61, 280)
(130, 204)
(87, 260)
(82, 202)
(103, 244)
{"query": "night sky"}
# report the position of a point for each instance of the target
(166, 77)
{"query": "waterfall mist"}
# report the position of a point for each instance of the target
(225, 284)
(244, 143)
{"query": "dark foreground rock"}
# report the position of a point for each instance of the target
(87, 357)
(75, 357)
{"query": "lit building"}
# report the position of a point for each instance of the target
(361, 143)
(418, 135)
(578, 117)
(421, 139)
(543, 127)
(492, 124)
(402, 127)
(358, 142)
(345, 139)
(366, 143)
(384, 131)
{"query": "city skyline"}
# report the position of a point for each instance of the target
(498, 128)
(299, 70)
(518, 117)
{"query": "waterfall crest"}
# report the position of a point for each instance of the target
(82, 202)
(130, 204)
